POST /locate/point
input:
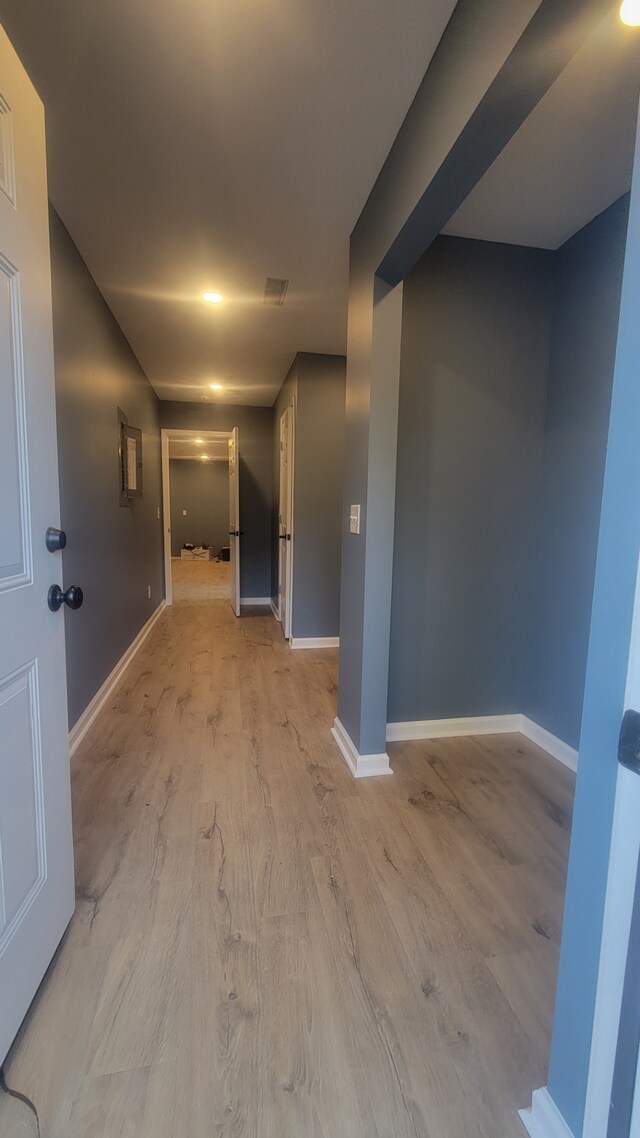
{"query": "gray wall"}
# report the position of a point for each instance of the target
(202, 489)
(475, 346)
(317, 383)
(288, 394)
(507, 366)
(586, 303)
(112, 552)
(319, 474)
(255, 430)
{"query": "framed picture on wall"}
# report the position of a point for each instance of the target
(129, 460)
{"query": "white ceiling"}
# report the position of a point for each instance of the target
(207, 144)
(573, 155)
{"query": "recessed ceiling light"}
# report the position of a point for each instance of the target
(630, 13)
(215, 386)
(212, 297)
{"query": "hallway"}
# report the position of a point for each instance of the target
(265, 947)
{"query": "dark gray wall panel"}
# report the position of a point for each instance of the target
(112, 552)
(316, 384)
(287, 395)
(588, 282)
(318, 516)
(476, 332)
(256, 441)
(508, 359)
(202, 489)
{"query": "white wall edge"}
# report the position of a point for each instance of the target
(274, 608)
(93, 709)
(550, 743)
(266, 601)
(361, 766)
(544, 1120)
(616, 926)
(450, 728)
(315, 642)
(485, 725)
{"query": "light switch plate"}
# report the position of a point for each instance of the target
(354, 519)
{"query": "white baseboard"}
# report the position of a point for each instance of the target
(544, 1120)
(266, 601)
(361, 766)
(485, 725)
(93, 709)
(550, 743)
(274, 609)
(315, 641)
(450, 728)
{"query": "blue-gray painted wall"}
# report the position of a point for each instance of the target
(96, 372)
(492, 66)
(507, 365)
(475, 350)
(604, 701)
(315, 384)
(317, 503)
(202, 489)
(586, 303)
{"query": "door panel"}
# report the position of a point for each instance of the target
(285, 521)
(234, 520)
(22, 869)
(36, 862)
(14, 537)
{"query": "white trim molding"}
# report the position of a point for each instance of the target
(93, 709)
(315, 642)
(560, 750)
(450, 728)
(485, 725)
(264, 601)
(616, 927)
(274, 608)
(543, 1119)
(361, 766)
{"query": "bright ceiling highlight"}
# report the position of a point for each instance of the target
(630, 13)
(212, 297)
(199, 442)
(215, 386)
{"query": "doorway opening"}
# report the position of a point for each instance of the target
(510, 330)
(201, 515)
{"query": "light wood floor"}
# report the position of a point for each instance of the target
(265, 948)
(200, 580)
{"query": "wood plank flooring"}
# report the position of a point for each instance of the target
(264, 947)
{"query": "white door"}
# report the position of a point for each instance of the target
(285, 521)
(36, 859)
(234, 520)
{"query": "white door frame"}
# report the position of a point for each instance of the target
(166, 434)
(621, 884)
(290, 410)
(234, 518)
(36, 846)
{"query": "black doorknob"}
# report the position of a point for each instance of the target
(73, 597)
(55, 539)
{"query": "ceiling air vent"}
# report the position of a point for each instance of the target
(275, 291)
